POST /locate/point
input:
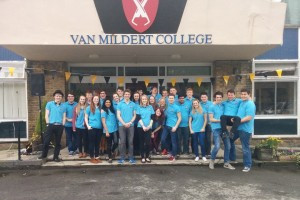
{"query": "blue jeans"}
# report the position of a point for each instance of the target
(165, 140)
(174, 140)
(232, 152)
(199, 137)
(245, 141)
(217, 135)
(72, 139)
(183, 139)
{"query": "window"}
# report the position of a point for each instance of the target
(100, 71)
(275, 98)
(189, 71)
(141, 71)
(275, 127)
(293, 12)
(81, 88)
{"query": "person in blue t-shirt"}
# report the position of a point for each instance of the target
(136, 141)
(80, 128)
(173, 119)
(94, 125)
(155, 94)
(197, 123)
(145, 116)
(215, 112)
(230, 117)
(120, 92)
(126, 115)
(183, 129)
(71, 136)
(205, 104)
(102, 96)
(55, 116)
(246, 112)
(109, 122)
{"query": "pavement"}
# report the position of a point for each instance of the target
(9, 159)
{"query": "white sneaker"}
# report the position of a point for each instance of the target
(228, 166)
(204, 159)
(197, 159)
(211, 164)
(246, 169)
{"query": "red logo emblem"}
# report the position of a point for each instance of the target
(140, 14)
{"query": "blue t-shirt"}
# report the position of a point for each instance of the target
(171, 114)
(110, 120)
(189, 101)
(247, 108)
(145, 113)
(157, 97)
(197, 121)
(69, 112)
(185, 110)
(137, 104)
(56, 112)
(205, 106)
(80, 119)
(175, 100)
(126, 111)
(217, 110)
(94, 118)
(231, 107)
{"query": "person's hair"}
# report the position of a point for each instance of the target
(218, 93)
(165, 105)
(171, 95)
(71, 93)
(203, 93)
(189, 89)
(154, 87)
(231, 91)
(141, 103)
(164, 90)
(120, 88)
(154, 105)
(58, 92)
(181, 95)
(199, 109)
(127, 90)
(172, 88)
(97, 93)
(102, 90)
(161, 118)
(245, 90)
(106, 109)
(78, 107)
(93, 106)
(89, 92)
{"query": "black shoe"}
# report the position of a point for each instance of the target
(41, 157)
(57, 159)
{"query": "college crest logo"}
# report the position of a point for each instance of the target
(140, 14)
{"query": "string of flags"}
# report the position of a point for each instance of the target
(120, 80)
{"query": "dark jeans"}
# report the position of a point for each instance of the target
(174, 140)
(94, 141)
(112, 143)
(155, 141)
(82, 139)
(136, 141)
(145, 138)
(198, 138)
(56, 131)
(226, 121)
(165, 139)
(207, 139)
(71, 138)
(183, 139)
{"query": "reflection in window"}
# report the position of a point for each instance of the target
(189, 71)
(275, 127)
(275, 98)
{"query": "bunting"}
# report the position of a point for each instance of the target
(279, 72)
(147, 81)
(173, 81)
(93, 79)
(199, 81)
(11, 71)
(226, 78)
(252, 76)
(68, 75)
(121, 81)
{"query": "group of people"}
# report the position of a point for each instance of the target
(166, 123)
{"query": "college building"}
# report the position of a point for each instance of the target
(208, 45)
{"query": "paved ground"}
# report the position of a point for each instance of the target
(150, 182)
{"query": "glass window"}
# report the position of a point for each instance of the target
(275, 127)
(120, 71)
(81, 88)
(141, 71)
(162, 71)
(273, 98)
(204, 87)
(100, 71)
(12, 129)
(189, 71)
(293, 12)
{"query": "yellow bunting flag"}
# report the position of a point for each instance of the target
(11, 71)
(121, 81)
(93, 79)
(252, 76)
(68, 75)
(279, 72)
(173, 81)
(147, 81)
(199, 81)
(226, 78)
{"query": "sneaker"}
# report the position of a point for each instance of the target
(57, 159)
(197, 159)
(80, 155)
(172, 159)
(121, 161)
(148, 160)
(246, 169)
(204, 159)
(132, 161)
(211, 164)
(164, 152)
(98, 160)
(93, 160)
(143, 160)
(109, 160)
(229, 166)
(71, 153)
